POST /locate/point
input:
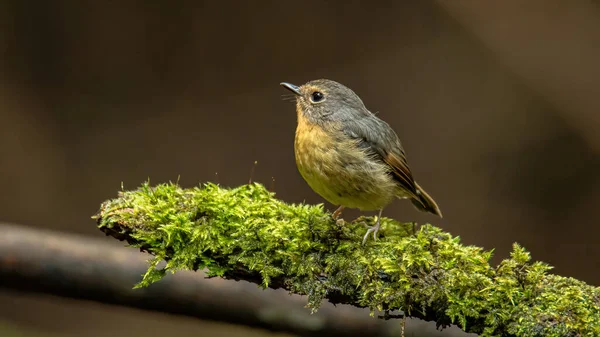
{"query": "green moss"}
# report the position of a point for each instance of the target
(246, 233)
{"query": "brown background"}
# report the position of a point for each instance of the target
(495, 102)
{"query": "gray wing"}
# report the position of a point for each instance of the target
(377, 136)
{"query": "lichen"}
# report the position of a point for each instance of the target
(246, 233)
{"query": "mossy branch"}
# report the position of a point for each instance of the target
(245, 233)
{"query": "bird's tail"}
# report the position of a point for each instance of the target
(424, 202)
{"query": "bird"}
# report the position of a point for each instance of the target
(348, 155)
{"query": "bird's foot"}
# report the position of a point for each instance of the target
(373, 229)
(336, 214)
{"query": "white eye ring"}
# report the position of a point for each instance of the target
(317, 97)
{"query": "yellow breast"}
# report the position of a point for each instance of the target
(338, 170)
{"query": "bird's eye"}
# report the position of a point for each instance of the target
(317, 97)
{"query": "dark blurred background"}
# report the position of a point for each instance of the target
(496, 104)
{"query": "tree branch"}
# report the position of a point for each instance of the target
(90, 269)
(245, 233)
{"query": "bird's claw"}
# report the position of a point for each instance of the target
(373, 229)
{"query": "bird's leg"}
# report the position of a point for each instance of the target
(336, 214)
(374, 229)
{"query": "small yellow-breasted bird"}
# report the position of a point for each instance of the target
(348, 155)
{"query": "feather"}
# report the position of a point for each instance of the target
(377, 138)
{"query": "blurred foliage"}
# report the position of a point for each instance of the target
(246, 233)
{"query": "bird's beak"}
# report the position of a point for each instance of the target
(293, 88)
